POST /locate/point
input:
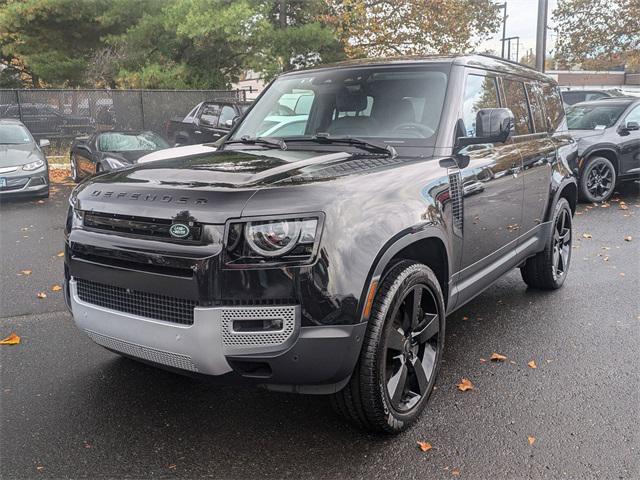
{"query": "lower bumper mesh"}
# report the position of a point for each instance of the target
(149, 305)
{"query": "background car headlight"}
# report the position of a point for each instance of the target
(33, 165)
(115, 163)
(264, 242)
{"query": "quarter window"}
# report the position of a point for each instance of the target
(479, 92)
(554, 107)
(210, 114)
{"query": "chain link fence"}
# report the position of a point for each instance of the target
(62, 114)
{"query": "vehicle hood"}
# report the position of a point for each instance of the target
(129, 157)
(579, 134)
(15, 155)
(216, 186)
(177, 152)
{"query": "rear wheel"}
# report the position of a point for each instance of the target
(401, 353)
(549, 268)
(597, 180)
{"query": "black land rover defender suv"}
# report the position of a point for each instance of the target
(326, 262)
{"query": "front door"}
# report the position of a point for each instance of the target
(630, 145)
(491, 187)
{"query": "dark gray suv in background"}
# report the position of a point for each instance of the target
(326, 261)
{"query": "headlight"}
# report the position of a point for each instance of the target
(281, 241)
(114, 163)
(33, 165)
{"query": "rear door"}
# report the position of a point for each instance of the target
(538, 155)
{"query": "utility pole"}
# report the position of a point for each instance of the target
(504, 25)
(541, 35)
(282, 13)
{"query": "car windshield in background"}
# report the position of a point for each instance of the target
(400, 105)
(593, 117)
(130, 142)
(14, 135)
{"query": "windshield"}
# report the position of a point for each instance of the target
(400, 105)
(130, 142)
(593, 117)
(14, 135)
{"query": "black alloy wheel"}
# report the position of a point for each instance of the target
(411, 348)
(598, 180)
(562, 244)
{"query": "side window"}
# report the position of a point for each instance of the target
(210, 114)
(634, 115)
(554, 107)
(516, 100)
(227, 113)
(534, 94)
(479, 92)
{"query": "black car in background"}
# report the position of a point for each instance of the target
(608, 136)
(43, 119)
(325, 260)
(23, 166)
(105, 151)
(571, 97)
(207, 122)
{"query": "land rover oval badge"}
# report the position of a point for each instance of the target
(179, 230)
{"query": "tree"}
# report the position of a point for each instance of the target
(598, 34)
(404, 27)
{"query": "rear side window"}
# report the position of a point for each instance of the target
(479, 92)
(534, 94)
(554, 107)
(516, 100)
(210, 114)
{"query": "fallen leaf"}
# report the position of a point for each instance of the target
(628, 238)
(455, 472)
(40, 201)
(465, 385)
(623, 207)
(587, 236)
(531, 440)
(622, 274)
(606, 259)
(56, 288)
(25, 272)
(39, 467)
(12, 339)
(61, 254)
(465, 318)
(483, 360)
(605, 205)
(171, 466)
(424, 446)
(532, 364)
(496, 357)
(42, 295)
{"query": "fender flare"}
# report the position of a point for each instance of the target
(394, 245)
(556, 196)
(599, 148)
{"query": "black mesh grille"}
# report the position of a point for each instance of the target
(456, 198)
(150, 305)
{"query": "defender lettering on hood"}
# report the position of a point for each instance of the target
(148, 197)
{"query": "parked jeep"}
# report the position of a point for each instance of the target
(326, 261)
(207, 122)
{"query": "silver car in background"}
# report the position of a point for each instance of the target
(23, 166)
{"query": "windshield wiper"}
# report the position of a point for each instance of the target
(325, 138)
(265, 141)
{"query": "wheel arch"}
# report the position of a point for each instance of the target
(607, 153)
(428, 247)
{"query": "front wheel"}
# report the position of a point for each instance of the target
(548, 269)
(597, 180)
(401, 352)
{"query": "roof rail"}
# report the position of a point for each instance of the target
(495, 57)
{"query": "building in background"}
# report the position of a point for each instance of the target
(587, 79)
(252, 83)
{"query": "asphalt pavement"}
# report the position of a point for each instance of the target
(70, 409)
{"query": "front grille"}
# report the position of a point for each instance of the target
(140, 226)
(455, 186)
(149, 305)
(171, 359)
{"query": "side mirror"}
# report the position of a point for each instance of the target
(630, 126)
(44, 143)
(493, 125)
(228, 123)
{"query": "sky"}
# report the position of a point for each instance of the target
(522, 17)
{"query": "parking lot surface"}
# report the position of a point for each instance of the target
(72, 409)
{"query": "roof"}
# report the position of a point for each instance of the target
(488, 62)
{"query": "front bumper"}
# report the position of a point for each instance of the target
(32, 184)
(315, 359)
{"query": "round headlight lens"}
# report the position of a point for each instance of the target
(273, 239)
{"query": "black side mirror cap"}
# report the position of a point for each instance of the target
(493, 125)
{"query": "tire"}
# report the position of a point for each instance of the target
(548, 269)
(597, 180)
(400, 355)
(73, 164)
